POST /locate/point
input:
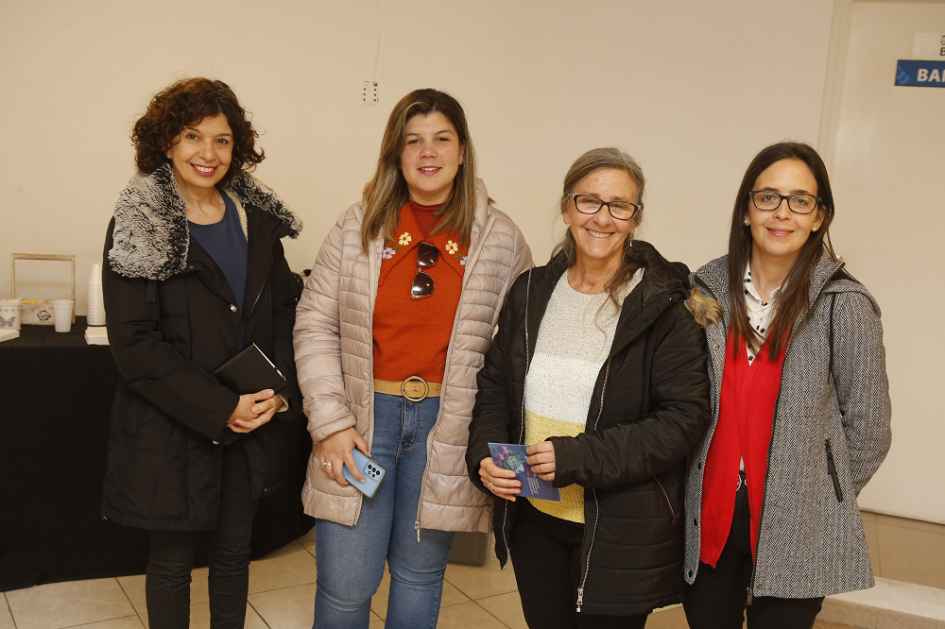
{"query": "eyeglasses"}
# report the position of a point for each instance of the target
(768, 201)
(620, 210)
(427, 257)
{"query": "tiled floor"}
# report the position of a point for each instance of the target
(282, 589)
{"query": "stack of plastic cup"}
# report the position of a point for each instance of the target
(95, 311)
(62, 314)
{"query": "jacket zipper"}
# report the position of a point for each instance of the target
(521, 432)
(672, 511)
(486, 229)
(252, 308)
(832, 470)
(590, 549)
(374, 267)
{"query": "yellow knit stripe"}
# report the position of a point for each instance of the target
(538, 428)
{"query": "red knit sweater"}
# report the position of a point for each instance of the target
(411, 337)
(746, 415)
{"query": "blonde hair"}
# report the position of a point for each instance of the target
(386, 193)
(584, 166)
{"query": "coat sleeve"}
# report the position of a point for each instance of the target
(284, 300)
(634, 451)
(317, 341)
(492, 413)
(150, 366)
(859, 370)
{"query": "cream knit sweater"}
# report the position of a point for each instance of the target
(573, 342)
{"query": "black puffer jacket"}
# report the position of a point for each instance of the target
(172, 320)
(632, 454)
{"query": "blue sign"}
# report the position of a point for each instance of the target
(921, 73)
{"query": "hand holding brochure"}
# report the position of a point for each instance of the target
(513, 457)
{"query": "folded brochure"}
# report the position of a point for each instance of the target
(510, 456)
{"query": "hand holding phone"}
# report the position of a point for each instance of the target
(370, 469)
(336, 454)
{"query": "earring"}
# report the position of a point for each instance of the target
(813, 230)
(747, 222)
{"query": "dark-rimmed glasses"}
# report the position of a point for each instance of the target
(769, 201)
(427, 257)
(620, 210)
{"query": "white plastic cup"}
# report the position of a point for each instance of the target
(95, 274)
(95, 306)
(62, 314)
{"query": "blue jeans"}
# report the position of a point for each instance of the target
(350, 559)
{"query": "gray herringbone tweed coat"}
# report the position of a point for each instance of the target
(810, 544)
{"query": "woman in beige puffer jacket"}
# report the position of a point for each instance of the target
(426, 162)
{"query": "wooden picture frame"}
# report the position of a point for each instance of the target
(40, 311)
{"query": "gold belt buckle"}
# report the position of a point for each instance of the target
(426, 389)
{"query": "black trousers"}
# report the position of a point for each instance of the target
(719, 597)
(167, 586)
(546, 555)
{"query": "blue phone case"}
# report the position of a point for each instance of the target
(372, 471)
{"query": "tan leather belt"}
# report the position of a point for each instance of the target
(414, 388)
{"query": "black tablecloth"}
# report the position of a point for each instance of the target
(56, 394)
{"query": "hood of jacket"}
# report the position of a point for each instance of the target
(640, 308)
(151, 236)
(828, 277)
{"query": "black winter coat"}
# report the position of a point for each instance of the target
(631, 458)
(172, 319)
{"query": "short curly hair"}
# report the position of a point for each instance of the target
(185, 103)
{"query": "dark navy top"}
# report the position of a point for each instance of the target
(227, 245)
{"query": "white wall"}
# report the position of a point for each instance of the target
(889, 154)
(692, 89)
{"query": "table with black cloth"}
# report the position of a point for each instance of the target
(56, 394)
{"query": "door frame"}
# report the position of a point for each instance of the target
(836, 64)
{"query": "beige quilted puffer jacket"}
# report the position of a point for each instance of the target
(334, 355)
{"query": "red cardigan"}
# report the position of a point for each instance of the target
(746, 415)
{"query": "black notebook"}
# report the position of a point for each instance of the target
(250, 371)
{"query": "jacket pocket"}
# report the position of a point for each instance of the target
(832, 470)
(669, 503)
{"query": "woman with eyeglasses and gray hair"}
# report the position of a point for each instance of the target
(391, 329)
(800, 409)
(599, 368)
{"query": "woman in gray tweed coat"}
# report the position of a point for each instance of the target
(800, 409)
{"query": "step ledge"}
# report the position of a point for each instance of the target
(888, 605)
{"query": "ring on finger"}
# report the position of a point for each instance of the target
(489, 486)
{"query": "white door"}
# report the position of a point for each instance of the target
(888, 173)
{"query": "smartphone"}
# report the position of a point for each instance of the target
(371, 470)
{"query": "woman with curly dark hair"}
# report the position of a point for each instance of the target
(195, 273)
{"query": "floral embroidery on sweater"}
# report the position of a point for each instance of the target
(461, 252)
(390, 248)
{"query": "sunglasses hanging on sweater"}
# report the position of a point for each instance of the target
(427, 257)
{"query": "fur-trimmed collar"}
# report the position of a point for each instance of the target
(151, 237)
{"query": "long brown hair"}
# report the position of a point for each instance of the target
(387, 192)
(585, 165)
(793, 300)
